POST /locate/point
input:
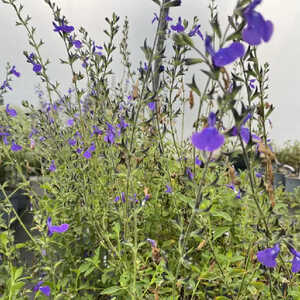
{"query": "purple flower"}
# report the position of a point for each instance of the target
(151, 105)
(97, 47)
(10, 112)
(13, 71)
(244, 132)
(168, 18)
(87, 154)
(97, 130)
(152, 242)
(117, 199)
(123, 197)
(295, 261)
(258, 175)
(189, 173)
(70, 122)
(52, 167)
(5, 84)
(251, 83)
(76, 43)
(196, 30)
(209, 139)
(33, 132)
(110, 134)
(85, 64)
(72, 142)
(169, 189)
(62, 28)
(155, 18)
(178, 27)
(122, 124)
(268, 256)
(232, 187)
(15, 147)
(92, 148)
(257, 28)
(161, 68)
(37, 68)
(44, 289)
(59, 229)
(224, 56)
(198, 161)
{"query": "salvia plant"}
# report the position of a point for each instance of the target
(127, 208)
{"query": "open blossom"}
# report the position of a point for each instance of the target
(178, 27)
(209, 139)
(76, 43)
(268, 256)
(196, 30)
(226, 55)
(62, 28)
(258, 28)
(15, 147)
(59, 229)
(45, 289)
(244, 132)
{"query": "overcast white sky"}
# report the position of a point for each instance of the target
(282, 52)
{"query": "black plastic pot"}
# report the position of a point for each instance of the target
(19, 200)
(279, 180)
(291, 184)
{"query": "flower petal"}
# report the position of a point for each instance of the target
(209, 139)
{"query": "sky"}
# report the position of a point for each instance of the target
(282, 52)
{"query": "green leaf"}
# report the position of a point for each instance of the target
(157, 2)
(222, 214)
(17, 286)
(84, 267)
(172, 3)
(112, 290)
(219, 232)
(193, 61)
(18, 273)
(187, 40)
(178, 40)
(194, 86)
(212, 75)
